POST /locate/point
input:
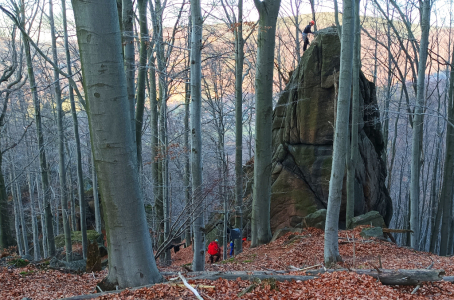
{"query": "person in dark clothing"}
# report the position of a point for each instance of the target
(175, 248)
(306, 31)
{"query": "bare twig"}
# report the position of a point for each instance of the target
(431, 264)
(416, 289)
(304, 269)
(193, 290)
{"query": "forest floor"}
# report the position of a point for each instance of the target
(292, 250)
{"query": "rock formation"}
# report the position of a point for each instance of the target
(303, 131)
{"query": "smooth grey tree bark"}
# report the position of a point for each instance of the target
(313, 13)
(446, 195)
(6, 237)
(69, 182)
(385, 125)
(336, 20)
(418, 125)
(187, 168)
(20, 206)
(198, 262)
(127, 15)
(236, 22)
(80, 178)
(40, 138)
(94, 180)
(239, 62)
(19, 240)
(260, 221)
(61, 149)
(163, 204)
(354, 151)
(131, 260)
(331, 249)
(154, 130)
(31, 190)
(141, 77)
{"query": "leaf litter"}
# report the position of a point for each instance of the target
(288, 253)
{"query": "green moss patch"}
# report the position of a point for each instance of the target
(76, 238)
(18, 262)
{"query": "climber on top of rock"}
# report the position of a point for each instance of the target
(306, 31)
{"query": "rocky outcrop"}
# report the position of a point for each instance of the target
(303, 128)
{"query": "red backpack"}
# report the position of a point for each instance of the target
(213, 248)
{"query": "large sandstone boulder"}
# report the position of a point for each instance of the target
(303, 131)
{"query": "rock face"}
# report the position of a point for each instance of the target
(372, 218)
(303, 132)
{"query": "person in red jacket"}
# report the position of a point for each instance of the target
(214, 251)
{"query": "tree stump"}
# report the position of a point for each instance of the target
(93, 257)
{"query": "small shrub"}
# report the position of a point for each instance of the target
(26, 273)
(18, 262)
(230, 260)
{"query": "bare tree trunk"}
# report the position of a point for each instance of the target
(388, 94)
(336, 20)
(354, 152)
(141, 77)
(113, 145)
(31, 191)
(187, 169)
(72, 199)
(313, 13)
(260, 221)
(198, 263)
(239, 62)
(331, 251)
(6, 238)
(80, 179)
(20, 207)
(94, 179)
(40, 138)
(154, 125)
(418, 125)
(445, 202)
(61, 149)
(162, 200)
(19, 240)
(127, 15)
(154, 136)
(43, 221)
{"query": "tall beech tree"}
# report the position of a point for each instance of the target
(131, 260)
(331, 251)
(354, 151)
(80, 177)
(260, 222)
(6, 237)
(198, 263)
(418, 120)
(61, 151)
(39, 132)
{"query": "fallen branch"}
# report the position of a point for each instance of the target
(194, 285)
(390, 277)
(247, 290)
(193, 290)
(396, 230)
(416, 289)
(395, 277)
(304, 269)
(253, 275)
(276, 271)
